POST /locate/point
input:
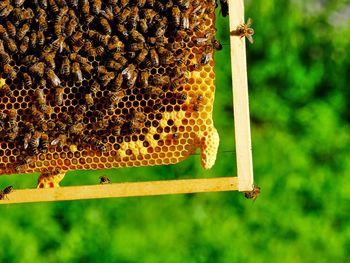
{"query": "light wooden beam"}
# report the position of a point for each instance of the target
(240, 99)
(151, 188)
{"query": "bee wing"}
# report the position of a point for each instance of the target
(250, 38)
(249, 22)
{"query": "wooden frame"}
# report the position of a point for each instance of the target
(243, 181)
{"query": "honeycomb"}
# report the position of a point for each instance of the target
(139, 92)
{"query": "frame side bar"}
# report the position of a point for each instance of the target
(240, 99)
(151, 188)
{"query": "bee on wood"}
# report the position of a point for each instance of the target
(38, 69)
(22, 31)
(60, 141)
(11, 29)
(52, 77)
(59, 91)
(254, 193)
(245, 30)
(104, 180)
(27, 80)
(89, 99)
(9, 71)
(5, 192)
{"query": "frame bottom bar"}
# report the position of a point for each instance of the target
(185, 186)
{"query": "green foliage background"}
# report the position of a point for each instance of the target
(299, 96)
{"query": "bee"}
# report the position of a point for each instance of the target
(96, 6)
(5, 90)
(197, 102)
(104, 180)
(58, 44)
(38, 69)
(89, 99)
(4, 57)
(42, 23)
(6, 191)
(175, 15)
(35, 142)
(61, 127)
(60, 141)
(54, 7)
(106, 28)
(181, 96)
(86, 67)
(121, 18)
(52, 77)
(72, 3)
(12, 133)
(40, 38)
(95, 87)
(65, 66)
(143, 26)
(43, 4)
(137, 36)
(27, 80)
(39, 93)
(254, 193)
(76, 128)
(224, 7)
(115, 44)
(134, 16)
(6, 10)
(38, 115)
(29, 127)
(108, 13)
(117, 82)
(156, 91)
(44, 142)
(26, 140)
(112, 64)
(129, 71)
(22, 31)
(100, 50)
(11, 44)
(245, 30)
(11, 29)
(161, 28)
(12, 115)
(141, 56)
(77, 39)
(136, 46)
(137, 120)
(144, 79)
(106, 78)
(115, 97)
(123, 31)
(158, 79)
(72, 24)
(49, 58)
(76, 72)
(216, 44)
(123, 3)
(24, 45)
(59, 91)
(9, 71)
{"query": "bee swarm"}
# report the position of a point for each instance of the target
(94, 84)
